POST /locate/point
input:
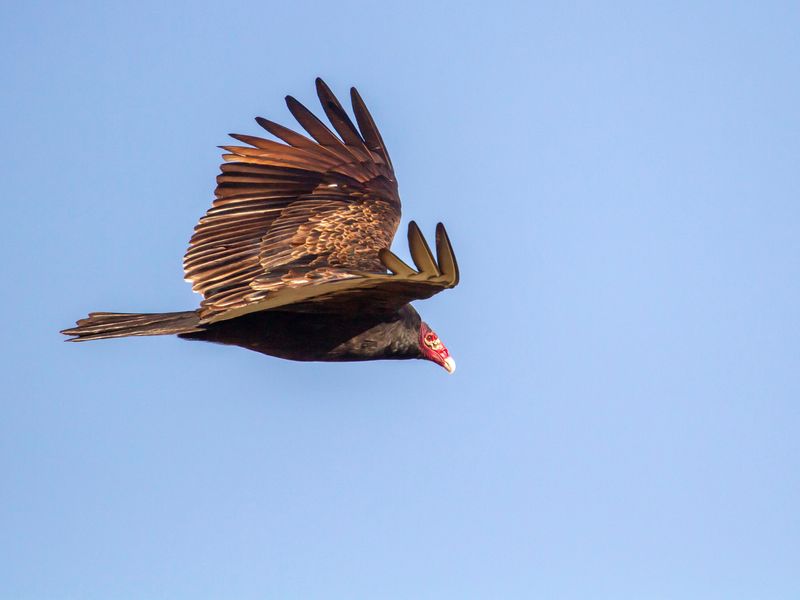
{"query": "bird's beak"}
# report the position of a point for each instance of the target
(450, 365)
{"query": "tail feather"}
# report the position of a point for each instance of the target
(100, 325)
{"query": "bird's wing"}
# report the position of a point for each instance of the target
(367, 292)
(297, 212)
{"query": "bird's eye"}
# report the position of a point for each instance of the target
(432, 340)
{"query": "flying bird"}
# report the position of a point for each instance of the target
(293, 260)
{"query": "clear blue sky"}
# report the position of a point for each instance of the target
(622, 186)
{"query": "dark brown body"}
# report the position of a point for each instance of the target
(320, 337)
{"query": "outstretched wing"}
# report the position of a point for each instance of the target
(369, 292)
(295, 213)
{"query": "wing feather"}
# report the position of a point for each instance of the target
(368, 128)
(296, 210)
(447, 258)
(394, 264)
(338, 117)
(367, 292)
(318, 130)
(420, 252)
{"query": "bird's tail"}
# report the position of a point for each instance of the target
(100, 325)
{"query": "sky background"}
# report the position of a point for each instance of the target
(622, 187)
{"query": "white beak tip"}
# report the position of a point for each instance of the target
(450, 365)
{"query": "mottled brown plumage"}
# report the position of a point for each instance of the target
(294, 213)
(297, 240)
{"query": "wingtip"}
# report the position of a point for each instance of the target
(414, 232)
(420, 251)
(296, 107)
(322, 87)
(263, 123)
(445, 254)
(72, 334)
(324, 93)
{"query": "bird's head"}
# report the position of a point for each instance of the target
(433, 349)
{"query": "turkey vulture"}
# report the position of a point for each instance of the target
(293, 260)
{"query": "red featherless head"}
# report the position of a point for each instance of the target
(433, 349)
